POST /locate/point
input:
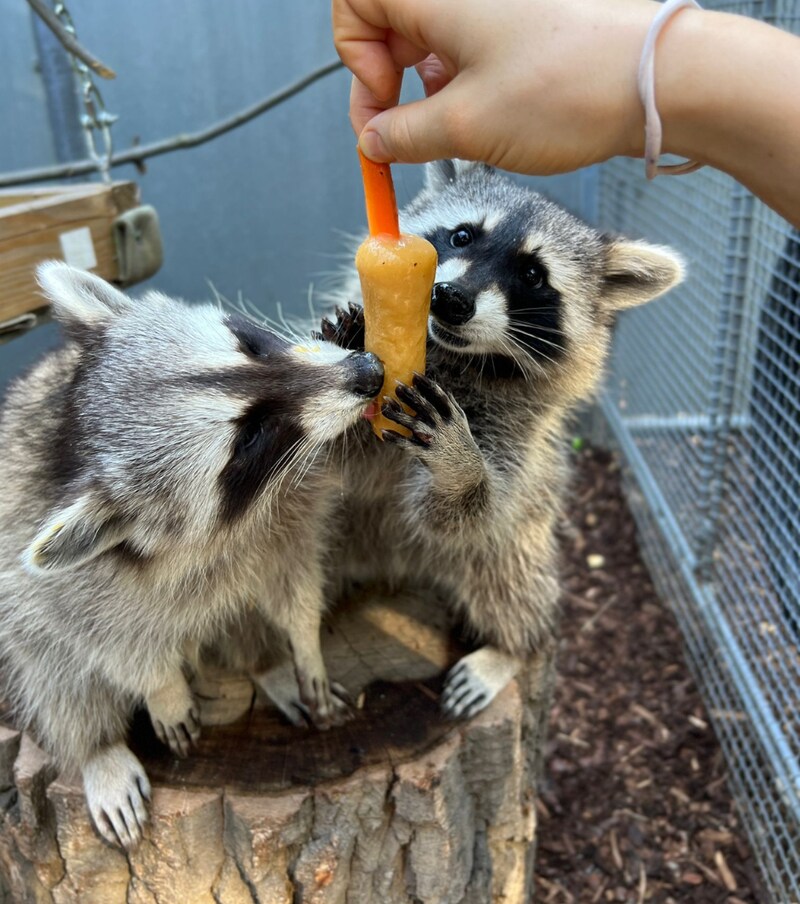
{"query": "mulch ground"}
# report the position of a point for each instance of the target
(635, 805)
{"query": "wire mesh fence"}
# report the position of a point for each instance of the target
(704, 401)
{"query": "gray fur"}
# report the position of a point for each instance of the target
(119, 555)
(470, 504)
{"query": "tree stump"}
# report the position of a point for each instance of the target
(398, 805)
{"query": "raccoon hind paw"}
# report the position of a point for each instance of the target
(475, 680)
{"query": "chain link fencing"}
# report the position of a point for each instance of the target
(703, 400)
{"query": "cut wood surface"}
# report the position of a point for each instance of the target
(398, 805)
(33, 223)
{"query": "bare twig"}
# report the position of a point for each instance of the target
(642, 884)
(177, 143)
(68, 40)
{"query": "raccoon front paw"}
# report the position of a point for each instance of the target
(175, 718)
(348, 329)
(438, 426)
(476, 680)
(117, 794)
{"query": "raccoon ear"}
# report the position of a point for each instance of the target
(79, 299)
(636, 272)
(74, 535)
(441, 173)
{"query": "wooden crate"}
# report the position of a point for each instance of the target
(71, 223)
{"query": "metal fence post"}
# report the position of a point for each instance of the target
(714, 454)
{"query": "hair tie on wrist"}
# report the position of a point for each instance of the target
(647, 92)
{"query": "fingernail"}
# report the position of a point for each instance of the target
(372, 146)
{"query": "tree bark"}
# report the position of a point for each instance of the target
(397, 805)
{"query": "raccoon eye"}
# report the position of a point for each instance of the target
(249, 435)
(534, 276)
(461, 237)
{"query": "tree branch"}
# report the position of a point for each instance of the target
(140, 153)
(68, 40)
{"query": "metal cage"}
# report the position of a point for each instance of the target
(703, 399)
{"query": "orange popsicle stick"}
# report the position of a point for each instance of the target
(379, 195)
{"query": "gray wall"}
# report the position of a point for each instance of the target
(259, 211)
(262, 210)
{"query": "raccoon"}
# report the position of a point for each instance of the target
(521, 320)
(165, 472)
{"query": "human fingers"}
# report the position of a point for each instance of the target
(416, 132)
(364, 106)
(363, 102)
(361, 45)
(433, 74)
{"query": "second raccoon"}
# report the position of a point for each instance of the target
(165, 472)
(520, 328)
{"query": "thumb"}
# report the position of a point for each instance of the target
(411, 133)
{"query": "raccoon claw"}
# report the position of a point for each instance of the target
(327, 330)
(297, 713)
(348, 329)
(476, 680)
(437, 418)
(343, 697)
(117, 790)
(181, 736)
(464, 695)
(175, 719)
(427, 398)
(328, 703)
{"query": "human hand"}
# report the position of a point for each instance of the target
(533, 86)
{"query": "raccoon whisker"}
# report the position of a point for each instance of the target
(250, 307)
(309, 458)
(537, 329)
(283, 467)
(303, 460)
(517, 352)
(296, 334)
(521, 328)
(532, 358)
(222, 301)
(218, 298)
(312, 315)
(533, 333)
(348, 236)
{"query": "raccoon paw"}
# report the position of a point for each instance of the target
(179, 736)
(175, 718)
(327, 702)
(280, 685)
(475, 681)
(348, 329)
(117, 793)
(438, 424)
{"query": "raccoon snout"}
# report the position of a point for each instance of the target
(366, 374)
(451, 304)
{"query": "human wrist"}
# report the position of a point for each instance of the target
(685, 84)
(706, 73)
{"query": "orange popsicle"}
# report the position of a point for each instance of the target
(397, 273)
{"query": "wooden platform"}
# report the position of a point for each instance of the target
(398, 805)
(71, 223)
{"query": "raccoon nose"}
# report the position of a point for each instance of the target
(366, 374)
(451, 304)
